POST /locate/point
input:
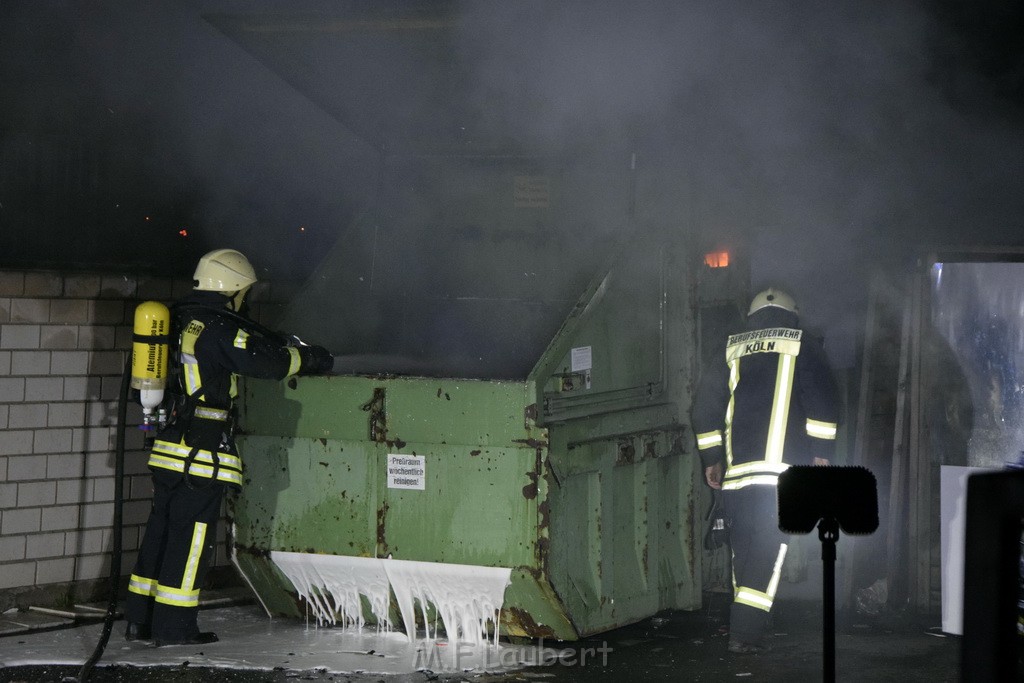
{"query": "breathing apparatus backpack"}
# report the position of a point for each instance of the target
(156, 366)
(156, 362)
(151, 358)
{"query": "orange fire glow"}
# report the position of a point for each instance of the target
(716, 259)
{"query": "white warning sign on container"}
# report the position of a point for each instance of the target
(531, 192)
(581, 358)
(407, 471)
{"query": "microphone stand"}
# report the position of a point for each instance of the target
(828, 533)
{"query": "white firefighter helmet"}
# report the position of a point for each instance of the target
(773, 297)
(224, 270)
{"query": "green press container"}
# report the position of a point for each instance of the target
(581, 478)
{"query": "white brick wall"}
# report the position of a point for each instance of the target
(63, 340)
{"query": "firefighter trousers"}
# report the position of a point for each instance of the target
(175, 554)
(758, 550)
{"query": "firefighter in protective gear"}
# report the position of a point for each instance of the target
(193, 459)
(769, 403)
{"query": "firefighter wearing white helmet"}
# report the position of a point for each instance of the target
(773, 297)
(194, 459)
(225, 270)
(769, 403)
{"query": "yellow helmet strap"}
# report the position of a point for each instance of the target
(238, 299)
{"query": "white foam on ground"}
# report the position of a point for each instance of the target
(467, 598)
(249, 640)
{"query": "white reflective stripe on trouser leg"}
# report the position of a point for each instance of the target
(175, 597)
(186, 595)
(773, 585)
(763, 600)
(188, 581)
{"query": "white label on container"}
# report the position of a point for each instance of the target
(581, 358)
(407, 471)
(531, 192)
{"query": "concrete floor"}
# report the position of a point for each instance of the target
(673, 646)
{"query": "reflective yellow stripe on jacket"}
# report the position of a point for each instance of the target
(709, 439)
(822, 430)
(759, 472)
(142, 586)
(172, 456)
(762, 471)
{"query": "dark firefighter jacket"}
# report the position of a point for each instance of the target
(214, 348)
(769, 403)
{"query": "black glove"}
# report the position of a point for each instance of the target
(316, 360)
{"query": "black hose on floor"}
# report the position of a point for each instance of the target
(115, 553)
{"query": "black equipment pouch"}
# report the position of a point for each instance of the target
(718, 521)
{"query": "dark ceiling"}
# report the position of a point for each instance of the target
(119, 119)
(396, 72)
(389, 73)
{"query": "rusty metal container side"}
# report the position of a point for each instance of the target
(622, 472)
(579, 478)
(316, 452)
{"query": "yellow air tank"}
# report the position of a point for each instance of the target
(150, 349)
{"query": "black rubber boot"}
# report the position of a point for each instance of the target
(197, 639)
(135, 631)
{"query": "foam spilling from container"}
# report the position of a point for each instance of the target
(332, 586)
(466, 598)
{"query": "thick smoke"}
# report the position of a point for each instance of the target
(837, 138)
(834, 138)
